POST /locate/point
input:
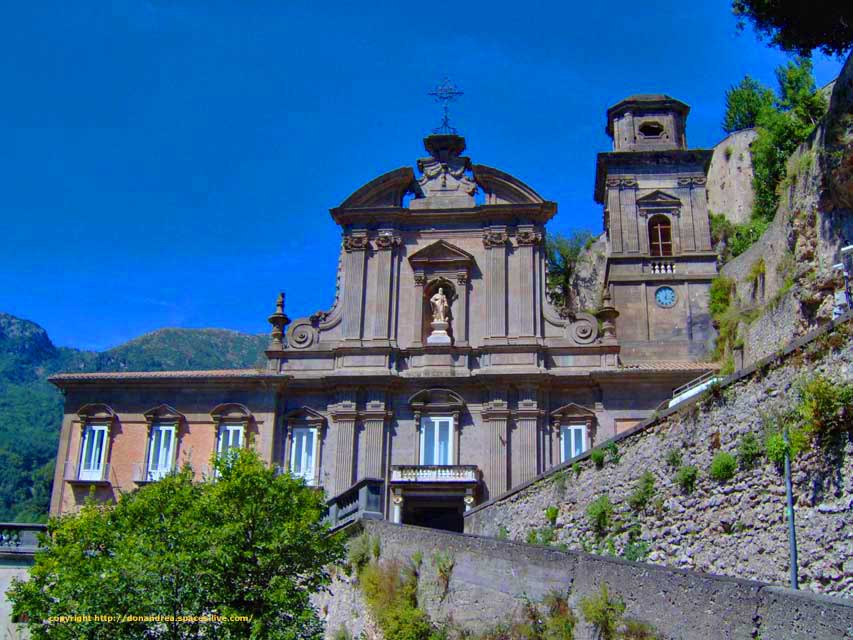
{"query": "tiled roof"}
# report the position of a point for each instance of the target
(165, 375)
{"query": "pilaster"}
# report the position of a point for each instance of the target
(525, 449)
(630, 219)
(384, 245)
(374, 419)
(344, 416)
(355, 247)
(495, 240)
(527, 239)
(495, 416)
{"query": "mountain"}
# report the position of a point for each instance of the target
(31, 407)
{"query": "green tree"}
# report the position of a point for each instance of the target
(799, 26)
(564, 255)
(744, 102)
(249, 544)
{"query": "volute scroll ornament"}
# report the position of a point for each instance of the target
(301, 335)
(583, 328)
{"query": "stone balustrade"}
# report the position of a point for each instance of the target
(434, 473)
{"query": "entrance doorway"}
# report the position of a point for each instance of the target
(436, 513)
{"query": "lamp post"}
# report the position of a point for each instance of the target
(789, 496)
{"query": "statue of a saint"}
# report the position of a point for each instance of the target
(439, 306)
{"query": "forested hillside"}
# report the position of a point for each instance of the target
(31, 408)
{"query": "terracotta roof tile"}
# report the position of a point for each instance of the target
(671, 365)
(165, 375)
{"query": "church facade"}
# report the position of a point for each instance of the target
(442, 375)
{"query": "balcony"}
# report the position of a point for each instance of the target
(660, 267)
(428, 474)
(143, 475)
(75, 475)
(362, 500)
(19, 541)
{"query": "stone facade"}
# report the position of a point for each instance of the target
(660, 261)
(491, 580)
(424, 412)
(736, 528)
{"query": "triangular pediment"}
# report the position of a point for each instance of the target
(659, 198)
(163, 412)
(573, 410)
(304, 414)
(440, 253)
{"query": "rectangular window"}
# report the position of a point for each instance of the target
(302, 446)
(572, 441)
(93, 451)
(436, 441)
(230, 437)
(161, 451)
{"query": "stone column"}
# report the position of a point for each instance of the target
(525, 447)
(384, 243)
(495, 420)
(495, 239)
(373, 445)
(418, 323)
(397, 507)
(355, 246)
(630, 219)
(614, 213)
(344, 416)
(527, 238)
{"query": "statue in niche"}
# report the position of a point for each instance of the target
(439, 306)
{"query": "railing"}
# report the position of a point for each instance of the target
(362, 500)
(661, 266)
(19, 538)
(72, 473)
(434, 473)
(694, 387)
(142, 474)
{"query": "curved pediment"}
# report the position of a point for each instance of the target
(502, 188)
(385, 191)
(440, 254)
(437, 399)
(231, 411)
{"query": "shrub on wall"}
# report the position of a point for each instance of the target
(603, 612)
(673, 458)
(599, 512)
(686, 478)
(825, 407)
(748, 451)
(723, 467)
(597, 457)
(643, 492)
(551, 514)
(391, 594)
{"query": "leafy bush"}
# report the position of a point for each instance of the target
(744, 102)
(720, 295)
(597, 457)
(444, 563)
(825, 407)
(673, 458)
(748, 451)
(636, 551)
(603, 612)
(723, 467)
(503, 533)
(638, 630)
(342, 633)
(643, 492)
(560, 482)
(360, 550)
(563, 256)
(551, 514)
(686, 478)
(599, 512)
(559, 624)
(576, 468)
(390, 592)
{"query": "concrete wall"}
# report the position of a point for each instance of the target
(730, 177)
(9, 570)
(491, 579)
(736, 528)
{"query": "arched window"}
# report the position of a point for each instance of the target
(660, 236)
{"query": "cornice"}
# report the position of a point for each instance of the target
(482, 214)
(674, 160)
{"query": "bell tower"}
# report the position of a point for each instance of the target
(660, 262)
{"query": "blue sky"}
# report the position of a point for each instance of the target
(172, 162)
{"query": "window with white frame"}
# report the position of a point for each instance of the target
(230, 437)
(303, 445)
(161, 451)
(93, 452)
(572, 441)
(436, 441)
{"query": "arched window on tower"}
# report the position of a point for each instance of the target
(660, 236)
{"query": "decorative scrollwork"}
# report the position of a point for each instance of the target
(386, 241)
(301, 335)
(584, 328)
(493, 239)
(528, 238)
(355, 243)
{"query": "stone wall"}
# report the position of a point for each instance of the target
(9, 570)
(491, 579)
(737, 528)
(730, 177)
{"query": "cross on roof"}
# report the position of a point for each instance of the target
(445, 93)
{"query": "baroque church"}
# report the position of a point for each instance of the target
(442, 375)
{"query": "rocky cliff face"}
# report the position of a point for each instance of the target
(730, 177)
(796, 287)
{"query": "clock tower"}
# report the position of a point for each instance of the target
(660, 262)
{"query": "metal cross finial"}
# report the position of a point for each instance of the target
(445, 93)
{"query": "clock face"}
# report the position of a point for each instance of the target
(665, 296)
